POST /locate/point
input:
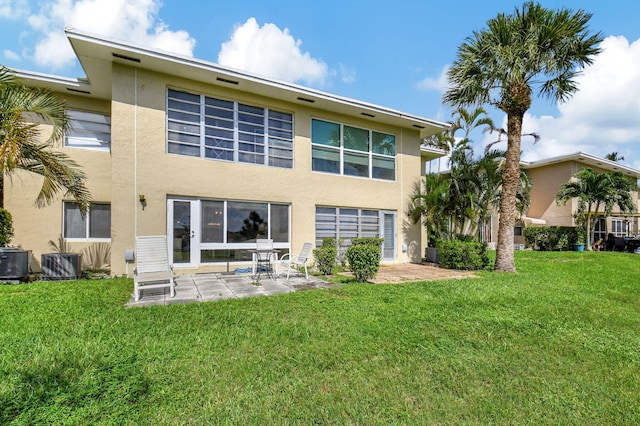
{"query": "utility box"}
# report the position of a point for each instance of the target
(60, 266)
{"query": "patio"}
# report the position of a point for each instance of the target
(216, 286)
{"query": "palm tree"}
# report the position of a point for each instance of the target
(594, 190)
(613, 156)
(427, 204)
(466, 121)
(534, 48)
(22, 110)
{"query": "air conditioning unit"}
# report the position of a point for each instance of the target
(14, 263)
(60, 266)
(518, 246)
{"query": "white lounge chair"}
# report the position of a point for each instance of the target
(294, 261)
(152, 265)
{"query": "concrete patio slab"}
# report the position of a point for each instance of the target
(214, 287)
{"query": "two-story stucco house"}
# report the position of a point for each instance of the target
(546, 177)
(215, 158)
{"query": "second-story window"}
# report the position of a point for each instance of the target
(352, 151)
(218, 129)
(88, 130)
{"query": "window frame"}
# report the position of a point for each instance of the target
(103, 145)
(224, 130)
(283, 246)
(349, 223)
(87, 223)
(623, 225)
(345, 152)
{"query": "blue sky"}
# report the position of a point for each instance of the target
(389, 53)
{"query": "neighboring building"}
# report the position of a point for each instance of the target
(214, 157)
(548, 175)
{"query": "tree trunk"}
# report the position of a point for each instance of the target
(510, 178)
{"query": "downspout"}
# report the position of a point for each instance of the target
(135, 151)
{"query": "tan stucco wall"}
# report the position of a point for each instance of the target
(160, 175)
(35, 227)
(142, 167)
(546, 183)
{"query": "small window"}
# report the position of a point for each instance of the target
(88, 130)
(96, 224)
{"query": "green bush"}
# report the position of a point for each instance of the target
(6, 228)
(363, 257)
(369, 241)
(550, 238)
(463, 255)
(329, 242)
(325, 256)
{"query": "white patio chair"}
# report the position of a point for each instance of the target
(263, 257)
(294, 261)
(153, 269)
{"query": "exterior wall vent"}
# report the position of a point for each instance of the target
(126, 58)
(224, 80)
(84, 92)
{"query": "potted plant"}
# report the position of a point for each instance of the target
(580, 241)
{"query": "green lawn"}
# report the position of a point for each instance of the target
(557, 343)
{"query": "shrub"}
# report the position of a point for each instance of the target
(6, 228)
(369, 241)
(463, 255)
(364, 258)
(551, 238)
(325, 256)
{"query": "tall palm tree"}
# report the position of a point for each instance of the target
(22, 110)
(532, 49)
(594, 190)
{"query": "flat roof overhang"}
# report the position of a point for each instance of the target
(96, 54)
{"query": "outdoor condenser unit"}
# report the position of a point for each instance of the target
(14, 263)
(60, 266)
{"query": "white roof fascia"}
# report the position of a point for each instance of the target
(585, 158)
(196, 69)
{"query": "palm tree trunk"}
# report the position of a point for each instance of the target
(510, 178)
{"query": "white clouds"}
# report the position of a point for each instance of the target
(14, 9)
(131, 20)
(439, 84)
(348, 74)
(604, 115)
(11, 55)
(267, 50)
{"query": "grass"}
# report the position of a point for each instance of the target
(557, 343)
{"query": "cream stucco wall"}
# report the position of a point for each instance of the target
(139, 142)
(139, 165)
(35, 227)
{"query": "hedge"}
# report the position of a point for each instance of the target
(550, 238)
(463, 255)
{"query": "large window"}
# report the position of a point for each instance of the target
(96, 224)
(88, 130)
(619, 227)
(230, 228)
(346, 223)
(352, 151)
(201, 126)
